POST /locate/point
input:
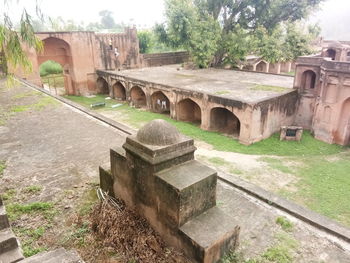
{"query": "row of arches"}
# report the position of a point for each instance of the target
(187, 110)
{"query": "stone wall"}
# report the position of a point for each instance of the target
(248, 122)
(81, 53)
(324, 105)
(168, 58)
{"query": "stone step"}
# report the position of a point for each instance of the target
(4, 222)
(55, 256)
(186, 190)
(8, 240)
(209, 235)
(11, 256)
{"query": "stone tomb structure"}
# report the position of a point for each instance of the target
(156, 174)
(323, 83)
(240, 104)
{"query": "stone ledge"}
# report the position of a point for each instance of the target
(12, 256)
(8, 240)
(4, 222)
(304, 214)
(209, 235)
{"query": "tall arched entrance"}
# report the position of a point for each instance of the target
(160, 102)
(102, 86)
(58, 50)
(308, 80)
(138, 97)
(224, 121)
(188, 110)
(52, 78)
(119, 91)
(344, 124)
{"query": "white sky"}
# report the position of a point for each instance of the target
(144, 13)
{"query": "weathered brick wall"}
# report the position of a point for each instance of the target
(159, 59)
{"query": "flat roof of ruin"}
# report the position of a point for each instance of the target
(238, 85)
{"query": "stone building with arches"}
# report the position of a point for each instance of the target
(229, 102)
(323, 84)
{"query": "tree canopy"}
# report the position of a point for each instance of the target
(224, 31)
(12, 53)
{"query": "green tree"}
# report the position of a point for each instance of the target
(11, 41)
(234, 18)
(146, 41)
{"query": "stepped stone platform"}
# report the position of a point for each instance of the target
(10, 251)
(156, 174)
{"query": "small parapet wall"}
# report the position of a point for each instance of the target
(168, 58)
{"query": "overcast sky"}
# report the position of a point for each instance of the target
(334, 17)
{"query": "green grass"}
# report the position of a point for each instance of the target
(16, 210)
(29, 238)
(32, 189)
(269, 88)
(222, 92)
(136, 118)
(284, 223)
(218, 161)
(26, 94)
(9, 194)
(276, 164)
(89, 200)
(324, 187)
(2, 167)
(42, 103)
(282, 251)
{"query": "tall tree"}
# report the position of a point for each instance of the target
(11, 41)
(233, 17)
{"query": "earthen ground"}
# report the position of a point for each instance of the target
(60, 149)
(237, 85)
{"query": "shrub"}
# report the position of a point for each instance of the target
(50, 67)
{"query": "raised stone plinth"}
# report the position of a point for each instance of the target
(155, 173)
(291, 133)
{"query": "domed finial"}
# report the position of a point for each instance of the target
(158, 132)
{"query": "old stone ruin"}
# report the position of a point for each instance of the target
(155, 173)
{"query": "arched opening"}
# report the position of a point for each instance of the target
(102, 86)
(308, 80)
(331, 53)
(51, 74)
(57, 50)
(160, 102)
(223, 120)
(119, 91)
(188, 110)
(348, 56)
(344, 123)
(138, 97)
(261, 66)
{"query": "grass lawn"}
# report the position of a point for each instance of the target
(322, 186)
(271, 146)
